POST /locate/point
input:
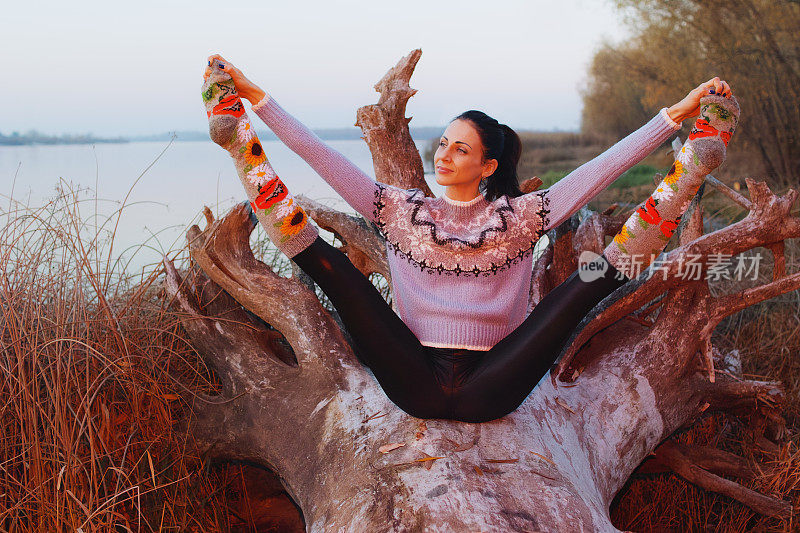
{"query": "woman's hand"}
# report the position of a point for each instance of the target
(246, 88)
(690, 105)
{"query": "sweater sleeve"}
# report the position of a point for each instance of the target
(576, 189)
(357, 188)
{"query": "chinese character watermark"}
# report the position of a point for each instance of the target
(716, 267)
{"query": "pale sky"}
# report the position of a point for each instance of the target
(129, 68)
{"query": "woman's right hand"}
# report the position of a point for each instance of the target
(246, 88)
(690, 105)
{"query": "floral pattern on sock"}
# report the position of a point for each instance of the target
(270, 193)
(673, 175)
(245, 131)
(292, 223)
(229, 101)
(261, 174)
(253, 153)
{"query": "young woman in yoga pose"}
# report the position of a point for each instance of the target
(460, 346)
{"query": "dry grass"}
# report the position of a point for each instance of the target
(95, 372)
(665, 502)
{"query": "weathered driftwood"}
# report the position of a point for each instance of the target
(640, 367)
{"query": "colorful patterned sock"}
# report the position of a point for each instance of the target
(647, 231)
(286, 223)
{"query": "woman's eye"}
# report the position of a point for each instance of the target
(462, 150)
(441, 143)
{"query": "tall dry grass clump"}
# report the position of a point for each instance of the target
(94, 373)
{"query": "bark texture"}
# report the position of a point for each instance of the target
(639, 368)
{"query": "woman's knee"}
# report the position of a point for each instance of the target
(320, 257)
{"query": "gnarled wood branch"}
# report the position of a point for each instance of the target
(364, 246)
(385, 128)
(769, 222)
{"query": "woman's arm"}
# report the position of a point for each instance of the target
(357, 188)
(560, 201)
(578, 187)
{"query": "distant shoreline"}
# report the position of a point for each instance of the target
(330, 134)
(33, 138)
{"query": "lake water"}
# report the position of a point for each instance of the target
(171, 189)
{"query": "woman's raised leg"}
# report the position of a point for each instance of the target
(383, 341)
(647, 231)
(511, 369)
(285, 222)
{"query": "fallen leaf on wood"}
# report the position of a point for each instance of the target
(429, 458)
(386, 448)
(543, 457)
(373, 417)
(563, 404)
(502, 460)
(427, 461)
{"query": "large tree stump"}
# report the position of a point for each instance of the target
(640, 367)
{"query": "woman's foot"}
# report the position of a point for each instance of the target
(286, 222)
(647, 231)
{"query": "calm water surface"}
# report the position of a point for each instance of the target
(171, 189)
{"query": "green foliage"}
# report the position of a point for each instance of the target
(638, 175)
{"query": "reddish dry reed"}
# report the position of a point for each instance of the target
(95, 373)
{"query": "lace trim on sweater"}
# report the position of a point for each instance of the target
(490, 241)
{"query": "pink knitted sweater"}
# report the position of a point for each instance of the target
(461, 271)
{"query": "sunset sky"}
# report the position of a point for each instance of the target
(132, 68)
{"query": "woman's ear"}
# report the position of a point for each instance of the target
(489, 167)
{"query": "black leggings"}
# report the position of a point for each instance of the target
(451, 383)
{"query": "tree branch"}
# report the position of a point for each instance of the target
(670, 454)
(394, 154)
(364, 246)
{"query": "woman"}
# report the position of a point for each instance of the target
(462, 347)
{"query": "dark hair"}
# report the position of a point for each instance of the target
(502, 143)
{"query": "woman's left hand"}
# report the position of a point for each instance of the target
(690, 105)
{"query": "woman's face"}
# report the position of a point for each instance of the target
(459, 157)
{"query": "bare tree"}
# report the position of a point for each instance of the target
(639, 368)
